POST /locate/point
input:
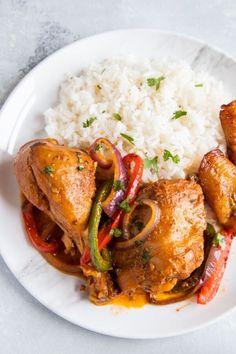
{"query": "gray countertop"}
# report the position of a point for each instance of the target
(31, 30)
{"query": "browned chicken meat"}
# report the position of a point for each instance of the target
(228, 122)
(217, 176)
(175, 248)
(59, 181)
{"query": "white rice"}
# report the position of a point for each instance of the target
(146, 112)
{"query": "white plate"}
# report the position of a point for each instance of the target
(21, 120)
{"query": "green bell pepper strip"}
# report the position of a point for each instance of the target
(101, 263)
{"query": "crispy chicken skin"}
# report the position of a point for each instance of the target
(175, 248)
(228, 122)
(59, 181)
(217, 176)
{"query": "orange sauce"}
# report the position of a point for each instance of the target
(138, 299)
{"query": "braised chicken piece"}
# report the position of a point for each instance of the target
(217, 176)
(59, 181)
(174, 249)
(228, 122)
(26, 178)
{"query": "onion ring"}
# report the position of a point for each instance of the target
(149, 227)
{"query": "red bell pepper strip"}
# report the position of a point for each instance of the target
(105, 237)
(135, 179)
(131, 192)
(136, 175)
(32, 232)
(211, 286)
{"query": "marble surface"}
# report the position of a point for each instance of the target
(29, 31)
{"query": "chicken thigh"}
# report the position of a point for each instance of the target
(175, 248)
(60, 181)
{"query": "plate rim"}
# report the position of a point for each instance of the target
(2, 112)
(96, 35)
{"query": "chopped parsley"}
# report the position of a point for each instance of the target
(98, 147)
(115, 232)
(178, 114)
(146, 256)
(118, 186)
(155, 81)
(139, 201)
(99, 87)
(80, 167)
(168, 155)
(217, 238)
(104, 111)
(137, 223)
(198, 85)
(117, 116)
(129, 138)
(152, 164)
(89, 122)
(48, 170)
(124, 205)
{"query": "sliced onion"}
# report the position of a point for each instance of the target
(110, 204)
(99, 156)
(149, 227)
(61, 265)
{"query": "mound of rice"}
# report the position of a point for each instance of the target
(120, 86)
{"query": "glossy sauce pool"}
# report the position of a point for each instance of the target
(139, 299)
